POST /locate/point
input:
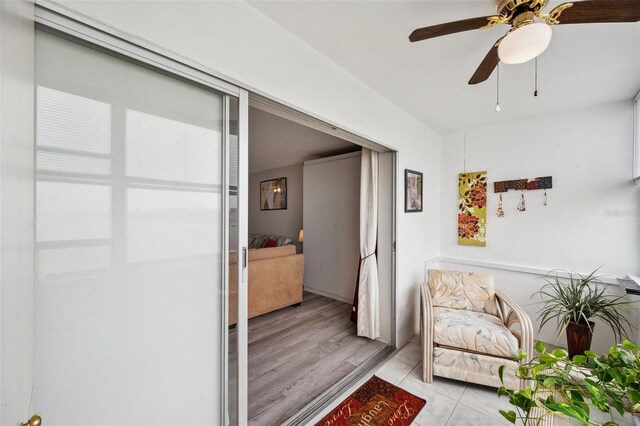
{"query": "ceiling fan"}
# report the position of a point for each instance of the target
(528, 38)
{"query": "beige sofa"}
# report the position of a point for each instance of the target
(275, 280)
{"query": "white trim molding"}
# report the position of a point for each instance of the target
(53, 16)
(607, 279)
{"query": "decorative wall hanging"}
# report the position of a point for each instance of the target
(521, 205)
(273, 194)
(412, 191)
(521, 184)
(500, 211)
(472, 209)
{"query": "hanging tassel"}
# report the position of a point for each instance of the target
(500, 208)
(544, 200)
(521, 206)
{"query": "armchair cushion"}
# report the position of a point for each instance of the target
(477, 332)
(474, 368)
(463, 290)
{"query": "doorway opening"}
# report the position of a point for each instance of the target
(304, 251)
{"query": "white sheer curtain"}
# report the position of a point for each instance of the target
(368, 313)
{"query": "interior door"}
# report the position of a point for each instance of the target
(137, 219)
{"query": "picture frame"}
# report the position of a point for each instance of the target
(413, 184)
(273, 194)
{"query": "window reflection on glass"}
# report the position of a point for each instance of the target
(76, 164)
(169, 150)
(72, 122)
(180, 164)
(164, 224)
(72, 211)
(75, 259)
(129, 226)
(73, 191)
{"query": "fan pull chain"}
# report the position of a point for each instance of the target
(498, 89)
(535, 92)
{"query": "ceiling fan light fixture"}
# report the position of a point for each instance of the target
(524, 43)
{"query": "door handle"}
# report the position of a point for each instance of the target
(35, 420)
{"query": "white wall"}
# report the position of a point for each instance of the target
(332, 226)
(284, 223)
(592, 214)
(233, 39)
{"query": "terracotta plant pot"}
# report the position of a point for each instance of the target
(579, 338)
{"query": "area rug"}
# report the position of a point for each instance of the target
(375, 403)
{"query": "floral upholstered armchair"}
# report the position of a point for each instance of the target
(469, 329)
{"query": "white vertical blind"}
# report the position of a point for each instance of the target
(636, 140)
(129, 245)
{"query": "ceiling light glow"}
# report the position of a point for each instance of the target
(524, 43)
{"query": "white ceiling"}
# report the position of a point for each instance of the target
(585, 64)
(277, 142)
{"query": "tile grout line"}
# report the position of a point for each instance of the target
(492, 417)
(455, 407)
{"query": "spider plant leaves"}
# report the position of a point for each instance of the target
(580, 299)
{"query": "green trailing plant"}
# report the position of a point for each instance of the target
(579, 299)
(574, 387)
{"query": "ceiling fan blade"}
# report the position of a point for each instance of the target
(448, 28)
(488, 64)
(594, 11)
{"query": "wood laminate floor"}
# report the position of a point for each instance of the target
(295, 354)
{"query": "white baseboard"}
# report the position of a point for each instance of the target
(329, 295)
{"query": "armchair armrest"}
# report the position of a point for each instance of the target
(519, 323)
(426, 333)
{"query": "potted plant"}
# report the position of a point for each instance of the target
(576, 300)
(573, 387)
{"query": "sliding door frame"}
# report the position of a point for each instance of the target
(316, 406)
(290, 113)
(55, 19)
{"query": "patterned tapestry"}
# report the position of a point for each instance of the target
(472, 209)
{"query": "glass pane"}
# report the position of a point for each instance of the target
(160, 148)
(129, 323)
(72, 211)
(166, 224)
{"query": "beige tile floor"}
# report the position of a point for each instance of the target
(449, 402)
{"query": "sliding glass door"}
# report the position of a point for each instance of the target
(137, 235)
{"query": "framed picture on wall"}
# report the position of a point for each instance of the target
(412, 191)
(273, 194)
